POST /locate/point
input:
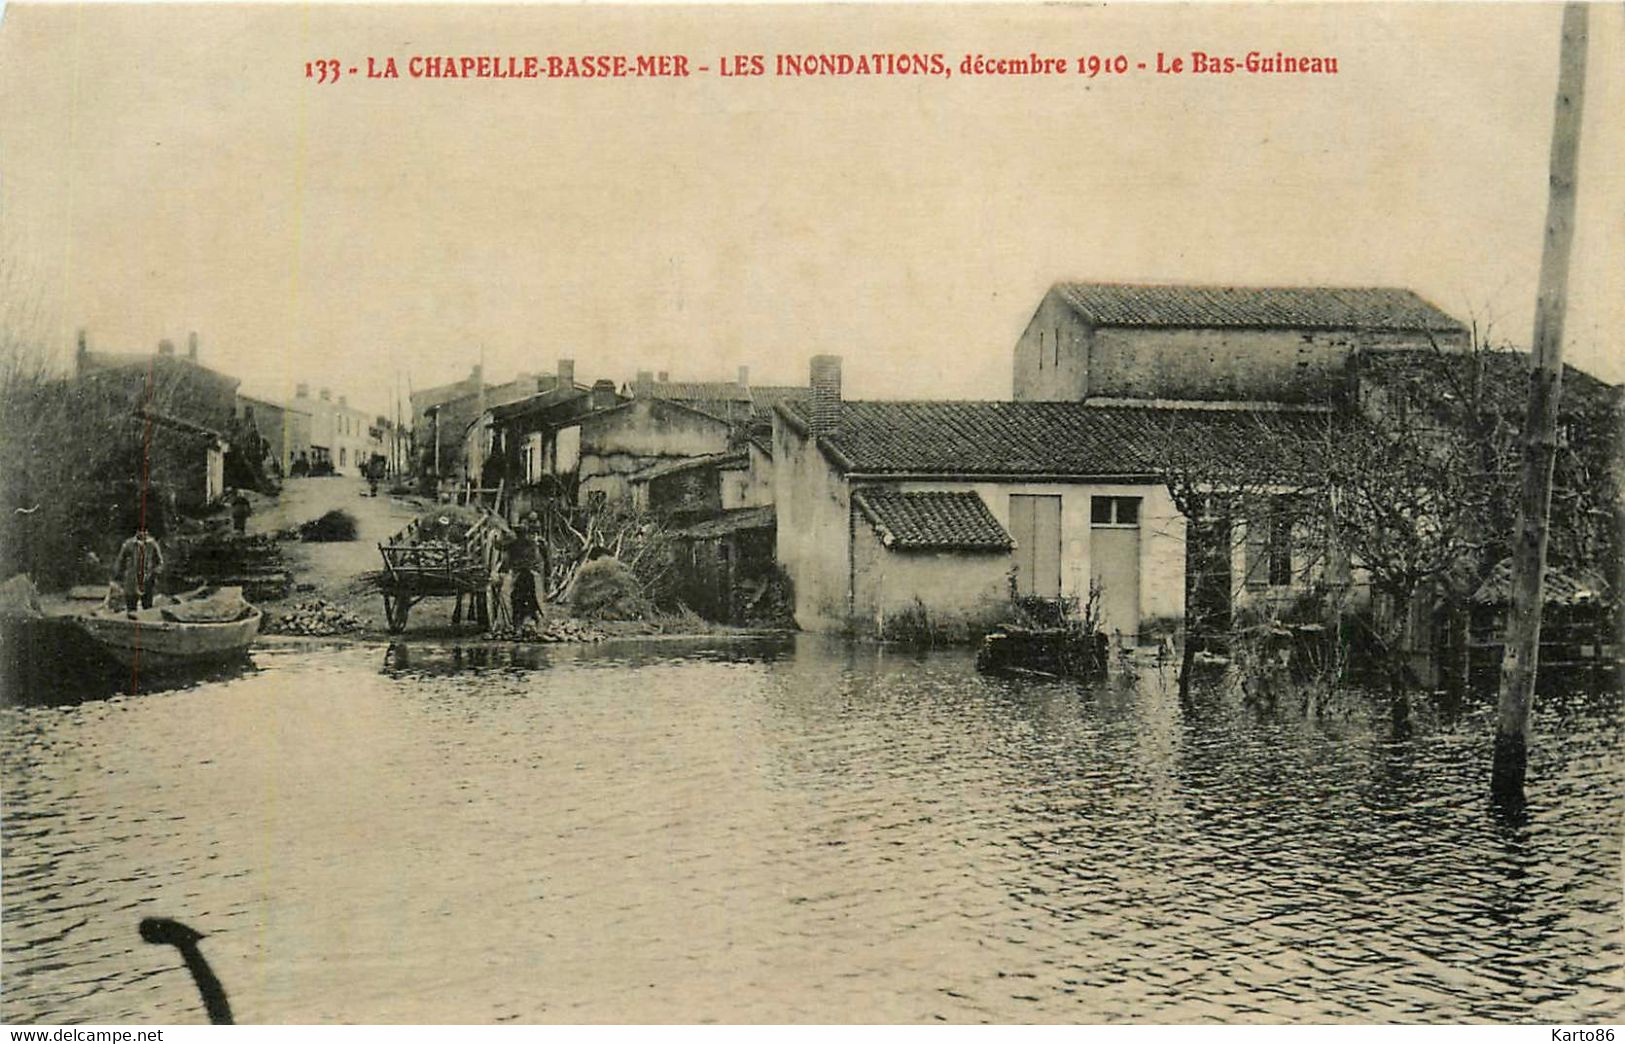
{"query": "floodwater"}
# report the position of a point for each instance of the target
(794, 830)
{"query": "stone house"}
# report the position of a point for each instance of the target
(1225, 343)
(442, 417)
(951, 507)
(178, 386)
(587, 443)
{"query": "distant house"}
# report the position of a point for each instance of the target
(746, 406)
(284, 430)
(949, 507)
(340, 434)
(443, 416)
(1278, 344)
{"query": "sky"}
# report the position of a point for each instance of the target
(170, 168)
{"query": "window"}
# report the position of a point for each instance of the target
(1114, 511)
(1269, 545)
(1040, 349)
(1057, 346)
(1280, 545)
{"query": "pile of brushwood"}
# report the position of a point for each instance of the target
(335, 525)
(640, 579)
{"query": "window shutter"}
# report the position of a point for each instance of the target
(1257, 549)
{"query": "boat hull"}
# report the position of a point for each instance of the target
(145, 640)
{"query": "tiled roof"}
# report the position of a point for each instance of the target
(1501, 376)
(699, 391)
(931, 521)
(1063, 439)
(1293, 307)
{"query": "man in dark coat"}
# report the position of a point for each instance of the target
(136, 569)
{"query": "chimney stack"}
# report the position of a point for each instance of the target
(567, 375)
(191, 346)
(326, 395)
(302, 391)
(603, 394)
(166, 347)
(344, 400)
(744, 377)
(826, 394)
(664, 377)
(476, 376)
(644, 385)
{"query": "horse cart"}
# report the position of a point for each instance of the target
(450, 552)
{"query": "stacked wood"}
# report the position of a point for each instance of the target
(253, 563)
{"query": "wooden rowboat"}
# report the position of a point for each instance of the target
(151, 639)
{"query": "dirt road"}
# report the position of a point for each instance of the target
(334, 571)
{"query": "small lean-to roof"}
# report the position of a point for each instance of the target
(936, 520)
(179, 424)
(736, 520)
(721, 461)
(1256, 307)
(1067, 440)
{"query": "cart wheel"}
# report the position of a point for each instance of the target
(395, 609)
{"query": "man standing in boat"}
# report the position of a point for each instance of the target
(136, 570)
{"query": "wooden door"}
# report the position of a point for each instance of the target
(1114, 563)
(1035, 522)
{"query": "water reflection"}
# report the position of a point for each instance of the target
(798, 830)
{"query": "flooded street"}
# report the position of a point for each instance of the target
(793, 830)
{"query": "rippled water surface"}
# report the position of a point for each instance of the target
(793, 831)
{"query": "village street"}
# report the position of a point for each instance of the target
(335, 570)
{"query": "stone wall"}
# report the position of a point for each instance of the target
(961, 593)
(813, 539)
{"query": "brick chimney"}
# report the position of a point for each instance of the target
(744, 377)
(567, 375)
(191, 346)
(476, 376)
(663, 377)
(302, 391)
(644, 385)
(326, 395)
(166, 347)
(603, 394)
(81, 351)
(826, 394)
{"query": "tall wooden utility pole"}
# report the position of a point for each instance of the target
(1540, 426)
